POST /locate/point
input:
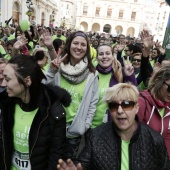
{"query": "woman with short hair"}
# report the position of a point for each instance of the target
(124, 143)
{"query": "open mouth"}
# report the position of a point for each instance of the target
(122, 120)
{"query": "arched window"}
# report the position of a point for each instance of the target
(16, 12)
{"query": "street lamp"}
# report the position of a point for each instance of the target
(29, 6)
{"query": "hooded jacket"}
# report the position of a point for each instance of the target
(149, 114)
(47, 132)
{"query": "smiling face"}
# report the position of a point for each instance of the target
(105, 56)
(136, 62)
(14, 88)
(78, 49)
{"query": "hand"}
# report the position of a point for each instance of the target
(47, 38)
(158, 45)
(128, 68)
(20, 43)
(55, 64)
(69, 165)
(147, 39)
(156, 67)
(121, 47)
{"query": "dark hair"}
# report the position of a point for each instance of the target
(27, 36)
(49, 29)
(10, 42)
(67, 49)
(39, 55)
(134, 48)
(26, 66)
(57, 43)
(158, 52)
(18, 29)
(104, 45)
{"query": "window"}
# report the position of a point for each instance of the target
(135, 0)
(133, 16)
(67, 6)
(121, 14)
(85, 8)
(164, 15)
(109, 12)
(158, 15)
(97, 14)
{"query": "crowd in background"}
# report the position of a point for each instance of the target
(97, 98)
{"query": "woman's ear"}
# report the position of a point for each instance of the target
(27, 81)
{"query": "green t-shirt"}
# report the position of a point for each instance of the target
(93, 52)
(7, 56)
(161, 112)
(21, 129)
(104, 80)
(152, 62)
(76, 91)
(2, 50)
(11, 37)
(125, 155)
(46, 67)
(141, 85)
(31, 44)
(61, 37)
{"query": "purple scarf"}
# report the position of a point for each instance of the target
(113, 80)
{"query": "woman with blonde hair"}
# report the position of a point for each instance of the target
(124, 142)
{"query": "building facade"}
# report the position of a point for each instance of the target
(43, 12)
(126, 17)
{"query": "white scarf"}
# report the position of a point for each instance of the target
(75, 74)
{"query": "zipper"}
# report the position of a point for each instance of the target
(37, 136)
(3, 139)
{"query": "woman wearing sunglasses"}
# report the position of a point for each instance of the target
(155, 104)
(136, 62)
(124, 143)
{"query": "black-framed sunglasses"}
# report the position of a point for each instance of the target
(126, 106)
(126, 50)
(138, 60)
(168, 89)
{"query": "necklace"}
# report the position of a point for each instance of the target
(26, 113)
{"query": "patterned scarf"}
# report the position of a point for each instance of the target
(75, 74)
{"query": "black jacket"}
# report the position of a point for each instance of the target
(147, 150)
(47, 133)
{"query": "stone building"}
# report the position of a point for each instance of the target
(43, 12)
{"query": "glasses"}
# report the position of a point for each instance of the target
(137, 60)
(126, 50)
(126, 106)
(168, 89)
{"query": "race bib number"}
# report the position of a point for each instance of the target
(21, 161)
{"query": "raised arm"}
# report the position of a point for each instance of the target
(147, 40)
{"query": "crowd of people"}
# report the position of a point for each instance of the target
(83, 100)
